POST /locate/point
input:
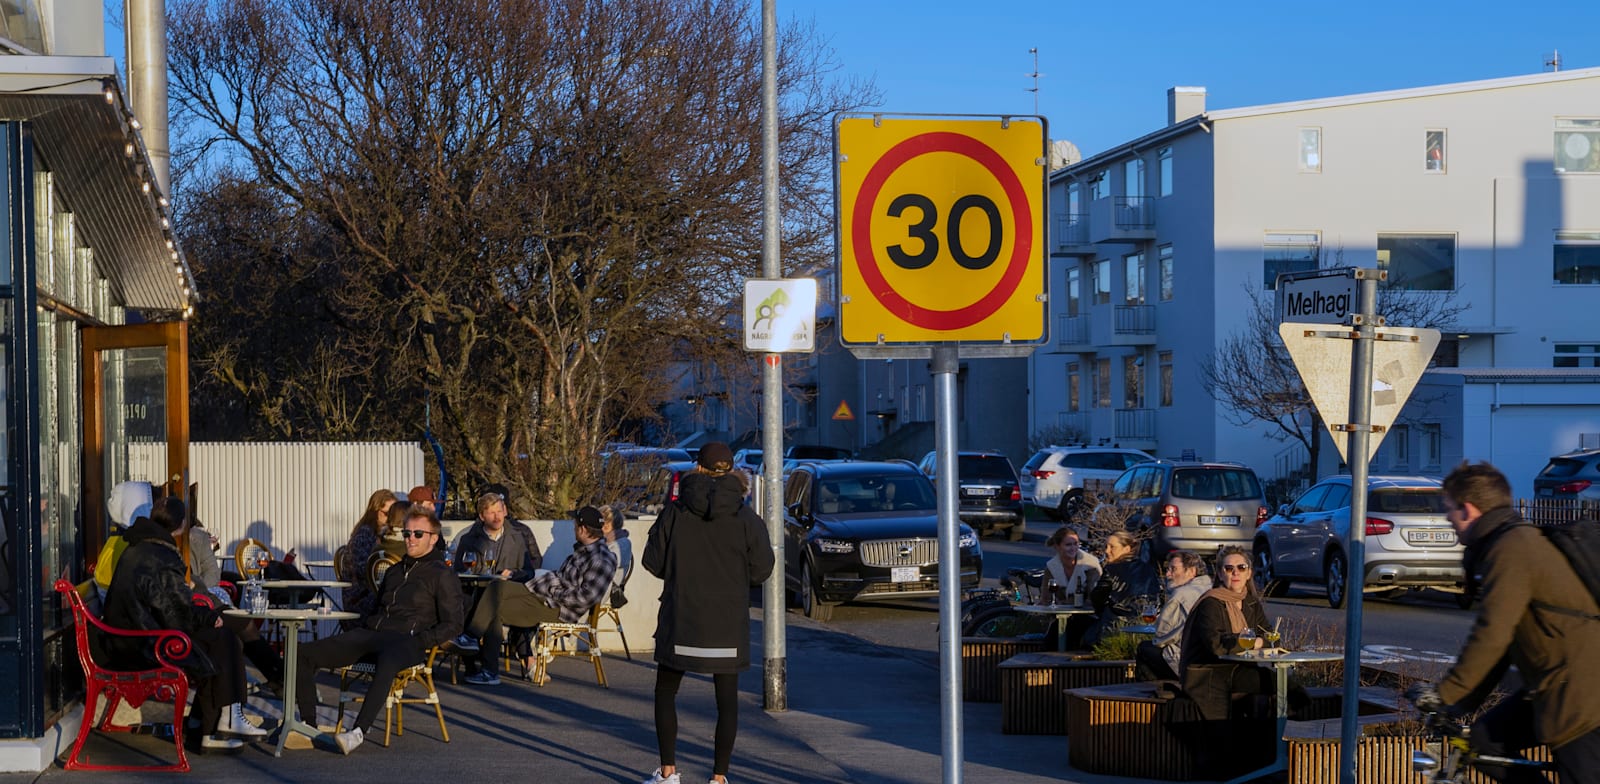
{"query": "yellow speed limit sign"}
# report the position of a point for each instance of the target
(941, 229)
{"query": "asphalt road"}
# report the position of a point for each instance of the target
(1412, 631)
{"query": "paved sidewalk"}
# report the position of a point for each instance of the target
(858, 713)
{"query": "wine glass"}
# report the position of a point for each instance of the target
(1246, 641)
(1271, 636)
(1147, 613)
(469, 561)
(488, 564)
(1049, 588)
(252, 570)
(261, 563)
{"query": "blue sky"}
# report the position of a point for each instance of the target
(1107, 66)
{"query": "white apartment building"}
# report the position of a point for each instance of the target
(1487, 189)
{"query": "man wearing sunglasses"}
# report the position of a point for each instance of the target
(419, 606)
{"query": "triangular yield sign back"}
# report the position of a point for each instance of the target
(1399, 358)
(842, 413)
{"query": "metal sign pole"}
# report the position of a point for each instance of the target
(946, 363)
(775, 669)
(1359, 429)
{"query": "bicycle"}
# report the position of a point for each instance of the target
(989, 612)
(1455, 755)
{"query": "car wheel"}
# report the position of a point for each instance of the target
(1018, 528)
(1071, 507)
(815, 609)
(1267, 581)
(1334, 577)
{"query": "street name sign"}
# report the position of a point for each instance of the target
(780, 315)
(1324, 297)
(941, 230)
(1399, 357)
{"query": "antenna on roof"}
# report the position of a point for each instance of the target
(1035, 76)
(1553, 62)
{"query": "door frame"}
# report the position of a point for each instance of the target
(170, 335)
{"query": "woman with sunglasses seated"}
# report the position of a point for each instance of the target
(1230, 607)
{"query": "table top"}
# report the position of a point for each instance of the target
(481, 577)
(319, 564)
(1059, 609)
(1286, 659)
(292, 614)
(303, 584)
(1144, 628)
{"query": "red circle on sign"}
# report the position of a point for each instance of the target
(861, 228)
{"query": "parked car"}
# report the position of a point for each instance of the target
(1408, 541)
(1198, 507)
(748, 459)
(817, 452)
(625, 474)
(860, 531)
(1054, 479)
(990, 495)
(1572, 475)
(663, 486)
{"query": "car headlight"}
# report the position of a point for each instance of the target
(969, 540)
(835, 546)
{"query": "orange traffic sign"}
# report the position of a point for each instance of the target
(842, 413)
(941, 229)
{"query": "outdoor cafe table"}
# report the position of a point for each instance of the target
(1280, 663)
(1141, 628)
(1061, 612)
(291, 620)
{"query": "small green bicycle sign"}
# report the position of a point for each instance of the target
(780, 315)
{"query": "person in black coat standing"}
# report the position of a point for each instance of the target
(720, 546)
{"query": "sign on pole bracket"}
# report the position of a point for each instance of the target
(1354, 428)
(1323, 357)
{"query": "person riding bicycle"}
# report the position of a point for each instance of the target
(1535, 614)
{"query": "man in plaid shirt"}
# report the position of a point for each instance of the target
(566, 595)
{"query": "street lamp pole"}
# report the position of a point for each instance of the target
(773, 602)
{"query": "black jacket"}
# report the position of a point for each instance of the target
(421, 596)
(148, 592)
(1206, 637)
(517, 549)
(720, 547)
(1116, 595)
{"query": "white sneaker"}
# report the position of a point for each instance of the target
(219, 742)
(233, 722)
(657, 778)
(348, 741)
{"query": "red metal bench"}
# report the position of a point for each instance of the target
(164, 683)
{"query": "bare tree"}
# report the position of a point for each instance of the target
(526, 209)
(1252, 375)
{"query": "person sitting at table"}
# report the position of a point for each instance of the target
(129, 502)
(419, 606)
(390, 539)
(1157, 659)
(1125, 584)
(204, 576)
(565, 595)
(364, 538)
(1222, 613)
(423, 495)
(1071, 568)
(149, 591)
(509, 543)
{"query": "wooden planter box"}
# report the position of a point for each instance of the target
(980, 664)
(1381, 758)
(1123, 730)
(1033, 689)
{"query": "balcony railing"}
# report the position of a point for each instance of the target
(1074, 422)
(1071, 230)
(1134, 212)
(1135, 320)
(1072, 330)
(1135, 424)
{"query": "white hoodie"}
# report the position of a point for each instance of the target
(129, 501)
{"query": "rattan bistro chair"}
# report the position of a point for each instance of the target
(420, 675)
(566, 639)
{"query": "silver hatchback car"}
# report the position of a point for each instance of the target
(1409, 543)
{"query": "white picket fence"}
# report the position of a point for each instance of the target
(301, 495)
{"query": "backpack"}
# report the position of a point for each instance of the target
(1580, 542)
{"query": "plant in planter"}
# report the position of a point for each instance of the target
(1116, 646)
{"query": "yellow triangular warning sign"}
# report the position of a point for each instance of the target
(842, 413)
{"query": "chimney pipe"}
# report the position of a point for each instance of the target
(1185, 102)
(146, 25)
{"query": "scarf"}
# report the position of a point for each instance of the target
(1234, 602)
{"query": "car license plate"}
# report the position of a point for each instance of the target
(1431, 536)
(977, 492)
(1547, 491)
(904, 574)
(1219, 520)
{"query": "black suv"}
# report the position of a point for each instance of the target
(989, 494)
(857, 530)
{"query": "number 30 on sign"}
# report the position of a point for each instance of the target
(941, 229)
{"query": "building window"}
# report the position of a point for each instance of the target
(1433, 151)
(1577, 145)
(1165, 358)
(1165, 263)
(1102, 282)
(1074, 202)
(1133, 382)
(1133, 279)
(1572, 355)
(1133, 177)
(1074, 290)
(1577, 258)
(1288, 252)
(1074, 378)
(1399, 443)
(1164, 171)
(1311, 149)
(1432, 446)
(1100, 185)
(1418, 262)
(1102, 383)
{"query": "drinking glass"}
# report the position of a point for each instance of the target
(488, 564)
(261, 563)
(469, 560)
(1247, 640)
(1271, 636)
(1147, 613)
(1049, 588)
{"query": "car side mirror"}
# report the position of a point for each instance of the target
(1283, 510)
(794, 511)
